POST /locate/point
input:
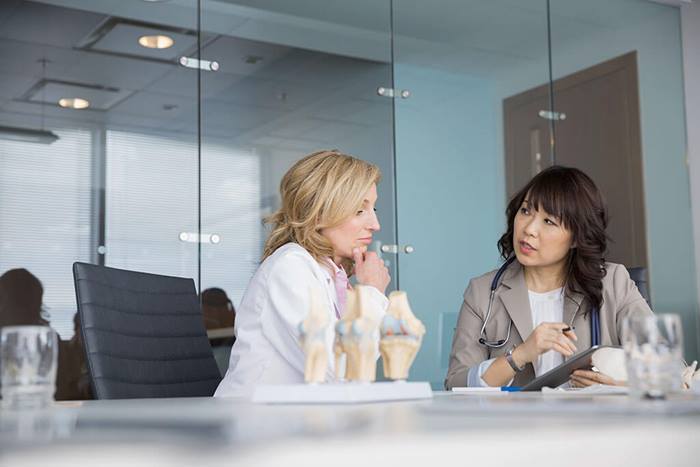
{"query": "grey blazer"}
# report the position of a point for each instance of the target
(620, 298)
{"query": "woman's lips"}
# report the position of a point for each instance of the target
(366, 240)
(526, 247)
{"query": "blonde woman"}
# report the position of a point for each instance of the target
(319, 236)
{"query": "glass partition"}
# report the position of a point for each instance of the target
(459, 71)
(98, 153)
(292, 78)
(152, 136)
(618, 94)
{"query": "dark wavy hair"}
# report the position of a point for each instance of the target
(570, 195)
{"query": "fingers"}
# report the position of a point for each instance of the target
(580, 382)
(556, 346)
(589, 374)
(551, 336)
(358, 257)
(566, 330)
(568, 343)
(553, 339)
(597, 377)
(371, 270)
(571, 334)
(372, 256)
(564, 338)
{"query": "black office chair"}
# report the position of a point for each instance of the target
(639, 276)
(143, 334)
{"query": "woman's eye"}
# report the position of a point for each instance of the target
(359, 213)
(524, 210)
(549, 221)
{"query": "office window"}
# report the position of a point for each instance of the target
(151, 209)
(45, 215)
(151, 199)
(231, 191)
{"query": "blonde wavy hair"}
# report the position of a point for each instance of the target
(319, 191)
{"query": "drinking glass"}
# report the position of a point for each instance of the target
(28, 360)
(653, 354)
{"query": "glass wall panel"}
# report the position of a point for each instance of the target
(618, 81)
(292, 78)
(98, 151)
(463, 65)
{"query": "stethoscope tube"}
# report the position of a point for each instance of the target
(595, 327)
(595, 314)
(492, 294)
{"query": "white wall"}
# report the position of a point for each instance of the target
(690, 32)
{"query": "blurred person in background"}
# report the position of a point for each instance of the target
(21, 296)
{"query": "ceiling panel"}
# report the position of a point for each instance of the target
(163, 106)
(120, 72)
(7, 9)
(13, 85)
(183, 82)
(21, 58)
(144, 124)
(123, 38)
(58, 114)
(235, 117)
(45, 24)
(275, 94)
(50, 92)
(232, 54)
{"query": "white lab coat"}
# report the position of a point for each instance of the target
(267, 349)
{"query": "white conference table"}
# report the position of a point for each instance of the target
(466, 430)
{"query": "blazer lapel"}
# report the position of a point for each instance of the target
(516, 300)
(572, 305)
(575, 307)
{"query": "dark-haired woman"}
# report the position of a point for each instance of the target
(539, 311)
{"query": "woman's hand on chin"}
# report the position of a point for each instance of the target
(584, 378)
(370, 270)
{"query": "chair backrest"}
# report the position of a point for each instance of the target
(143, 334)
(639, 276)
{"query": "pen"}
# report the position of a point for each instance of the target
(566, 329)
(510, 388)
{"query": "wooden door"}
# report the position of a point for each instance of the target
(598, 132)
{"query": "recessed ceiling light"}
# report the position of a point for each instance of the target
(74, 103)
(156, 42)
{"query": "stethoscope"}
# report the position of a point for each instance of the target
(595, 315)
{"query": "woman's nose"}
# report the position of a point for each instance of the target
(531, 228)
(374, 223)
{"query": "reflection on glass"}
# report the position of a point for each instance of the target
(461, 62)
(117, 183)
(280, 93)
(618, 77)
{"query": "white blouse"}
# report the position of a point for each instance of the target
(267, 349)
(545, 307)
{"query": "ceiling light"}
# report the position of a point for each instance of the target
(158, 41)
(74, 103)
(27, 135)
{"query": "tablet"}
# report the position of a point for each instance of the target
(560, 375)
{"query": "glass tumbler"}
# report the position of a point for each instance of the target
(653, 354)
(28, 361)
